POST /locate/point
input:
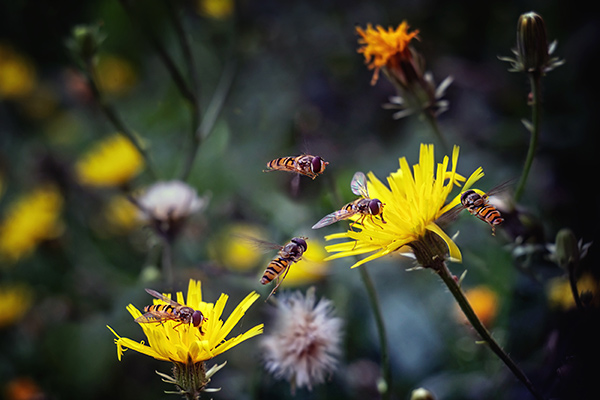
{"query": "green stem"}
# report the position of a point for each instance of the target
(435, 127)
(536, 107)
(573, 284)
(383, 342)
(442, 270)
(113, 116)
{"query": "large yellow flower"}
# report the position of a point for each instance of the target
(412, 204)
(113, 162)
(33, 218)
(185, 343)
(15, 300)
(384, 48)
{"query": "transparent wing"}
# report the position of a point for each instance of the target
(359, 185)
(500, 188)
(259, 244)
(163, 298)
(334, 217)
(154, 316)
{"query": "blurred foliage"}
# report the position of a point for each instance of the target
(299, 86)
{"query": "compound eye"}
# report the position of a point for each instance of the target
(197, 318)
(300, 242)
(375, 207)
(316, 164)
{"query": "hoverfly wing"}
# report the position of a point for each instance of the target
(153, 316)
(333, 218)
(162, 297)
(500, 187)
(359, 185)
(450, 215)
(262, 245)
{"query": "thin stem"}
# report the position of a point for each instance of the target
(383, 342)
(573, 283)
(113, 116)
(442, 270)
(536, 107)
(210, 117)
(433, 123)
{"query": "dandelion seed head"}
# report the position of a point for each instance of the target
(170, 200)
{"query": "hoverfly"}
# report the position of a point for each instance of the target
(171, 311)
(279, 266)
(365, 206)
(479, 206)
(305, 164)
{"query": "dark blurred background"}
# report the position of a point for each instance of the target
(300, 86)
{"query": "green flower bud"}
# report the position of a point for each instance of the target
(532, 42)
(85, 41)
(567, 249)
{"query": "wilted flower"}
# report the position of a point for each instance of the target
(113, 162)
(533, 52)
(15, 300)
(166, 205)
(187, 346)
(414, 201)
(31, 219)
(390, 51)
(305, 343)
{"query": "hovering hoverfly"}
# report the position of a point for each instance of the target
(365, 206)
(305, 164)
(279, 266)
(479, 206)
(171, 311)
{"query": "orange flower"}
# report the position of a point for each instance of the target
(385, 48)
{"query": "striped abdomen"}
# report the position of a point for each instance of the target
(160, 308)
(287, 163)
(489, 214)
(275, 268)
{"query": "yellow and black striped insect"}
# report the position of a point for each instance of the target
(365, 206)
(279, 266)
(479, 206)
(172, 311)
(305, 164)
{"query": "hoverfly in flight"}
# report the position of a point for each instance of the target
(365, 206)
(305, 164)
(279, 266)
(479, 206)
(171, 311)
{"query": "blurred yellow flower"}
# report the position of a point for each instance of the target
(560, 295)
(484, 302)
(184, 343)
(112, 162)
(412, 205)
(311, 268)
(30, 220)
(115, 75)
(121, 214)
(15, 300)
(17, 74)
(384, 48)
(217, 9)
(233, 252)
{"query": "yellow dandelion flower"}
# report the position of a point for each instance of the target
(184, 343)
(113, 162)
(217, 9)
(384, 48)
(17, 74)
(115, 75)
(120, 215)
(15, 300)
(413, 203)
(29, 221)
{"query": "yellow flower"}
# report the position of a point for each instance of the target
(30, 220)
(217, 9)
(17, 74)
(560, 295)
(115, 75)
(185, 343)
(120, 215)
(484, 302)
(235, 253)
(113, 162)
(412, 204)
(15, 300)
(384, 48)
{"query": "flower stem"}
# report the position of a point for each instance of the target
(383, 343)
(442, 270)
(536, 107)
(433, 123)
